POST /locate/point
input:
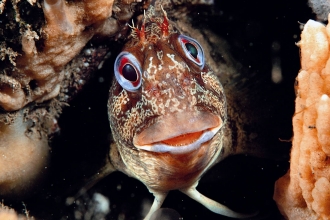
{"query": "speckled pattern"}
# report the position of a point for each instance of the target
(171, 85)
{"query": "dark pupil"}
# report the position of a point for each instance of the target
(192, 50)
(129, 72)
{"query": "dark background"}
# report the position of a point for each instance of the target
(241, 182)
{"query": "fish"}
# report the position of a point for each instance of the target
(167, 112)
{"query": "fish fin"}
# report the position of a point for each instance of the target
(213, 205)
(158, 201)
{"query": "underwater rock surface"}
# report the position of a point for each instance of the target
(261, 42)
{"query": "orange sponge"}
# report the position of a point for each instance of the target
(304, 192)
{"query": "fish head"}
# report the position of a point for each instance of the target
(166, 107)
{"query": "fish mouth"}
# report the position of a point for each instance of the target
(179, 133)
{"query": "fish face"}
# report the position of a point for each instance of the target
(166, 107)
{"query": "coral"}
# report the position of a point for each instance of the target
(54, 14)
(304, 192)
(38, 72)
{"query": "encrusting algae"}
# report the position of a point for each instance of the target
(304, 192)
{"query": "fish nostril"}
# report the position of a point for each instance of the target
(33, 84)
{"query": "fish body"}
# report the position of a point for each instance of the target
(167, 112)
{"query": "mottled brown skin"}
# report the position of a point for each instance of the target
(173, 89)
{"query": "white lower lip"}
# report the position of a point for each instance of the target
(163, 148)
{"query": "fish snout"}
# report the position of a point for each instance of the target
(179, 133)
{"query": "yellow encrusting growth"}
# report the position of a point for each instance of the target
(304, 192)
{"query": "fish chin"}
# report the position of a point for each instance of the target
(162, 147)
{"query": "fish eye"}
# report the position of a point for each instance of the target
(128, 71)
(192, 49)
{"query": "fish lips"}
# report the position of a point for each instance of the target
(179, 133)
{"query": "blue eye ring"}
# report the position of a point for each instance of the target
(193, 50)
(126, 61)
